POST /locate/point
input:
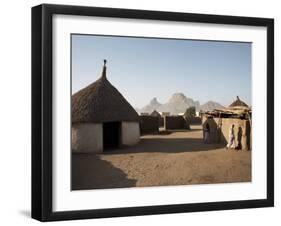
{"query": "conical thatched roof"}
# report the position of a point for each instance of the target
(238, 103)
(101, 102)
(155, 113)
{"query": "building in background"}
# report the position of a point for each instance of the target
(219, 123)
(160, 118)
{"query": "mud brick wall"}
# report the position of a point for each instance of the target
(149, 124)
(175, 122)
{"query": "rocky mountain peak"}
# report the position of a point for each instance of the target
(211, 105)
(154, 101)
(178, 103)
(177, 98)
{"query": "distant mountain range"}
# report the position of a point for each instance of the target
(178, 103)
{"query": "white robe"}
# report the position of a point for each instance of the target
(231, 139)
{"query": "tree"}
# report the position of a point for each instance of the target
(190, 112)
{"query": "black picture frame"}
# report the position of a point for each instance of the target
(42, 111)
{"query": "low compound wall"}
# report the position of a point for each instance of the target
(175, 122)
(149, 124)
(195, 120)
(161, 121)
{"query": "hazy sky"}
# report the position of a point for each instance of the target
(143, 68)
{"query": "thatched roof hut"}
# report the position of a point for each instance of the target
(238, 109)
(160, 118)
(155, 113)
(238, 103)
(101, 102)
(102, 119)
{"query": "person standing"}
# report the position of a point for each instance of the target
(231, 138)
(207, 134)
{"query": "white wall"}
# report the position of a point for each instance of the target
(15, 112)
(130, 134)
(87, 138)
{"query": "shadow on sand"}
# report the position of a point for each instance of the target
(168, 132)
(91, 172)
(169, 145)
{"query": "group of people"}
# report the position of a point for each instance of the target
(231, 137)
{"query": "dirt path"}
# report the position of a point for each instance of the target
(169, 159)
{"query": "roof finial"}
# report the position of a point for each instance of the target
(104, 69)
(238, 98)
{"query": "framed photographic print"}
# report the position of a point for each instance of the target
(145, 112)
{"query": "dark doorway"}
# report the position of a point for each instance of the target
(111, 135)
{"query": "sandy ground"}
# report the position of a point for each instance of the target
(177, 158)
